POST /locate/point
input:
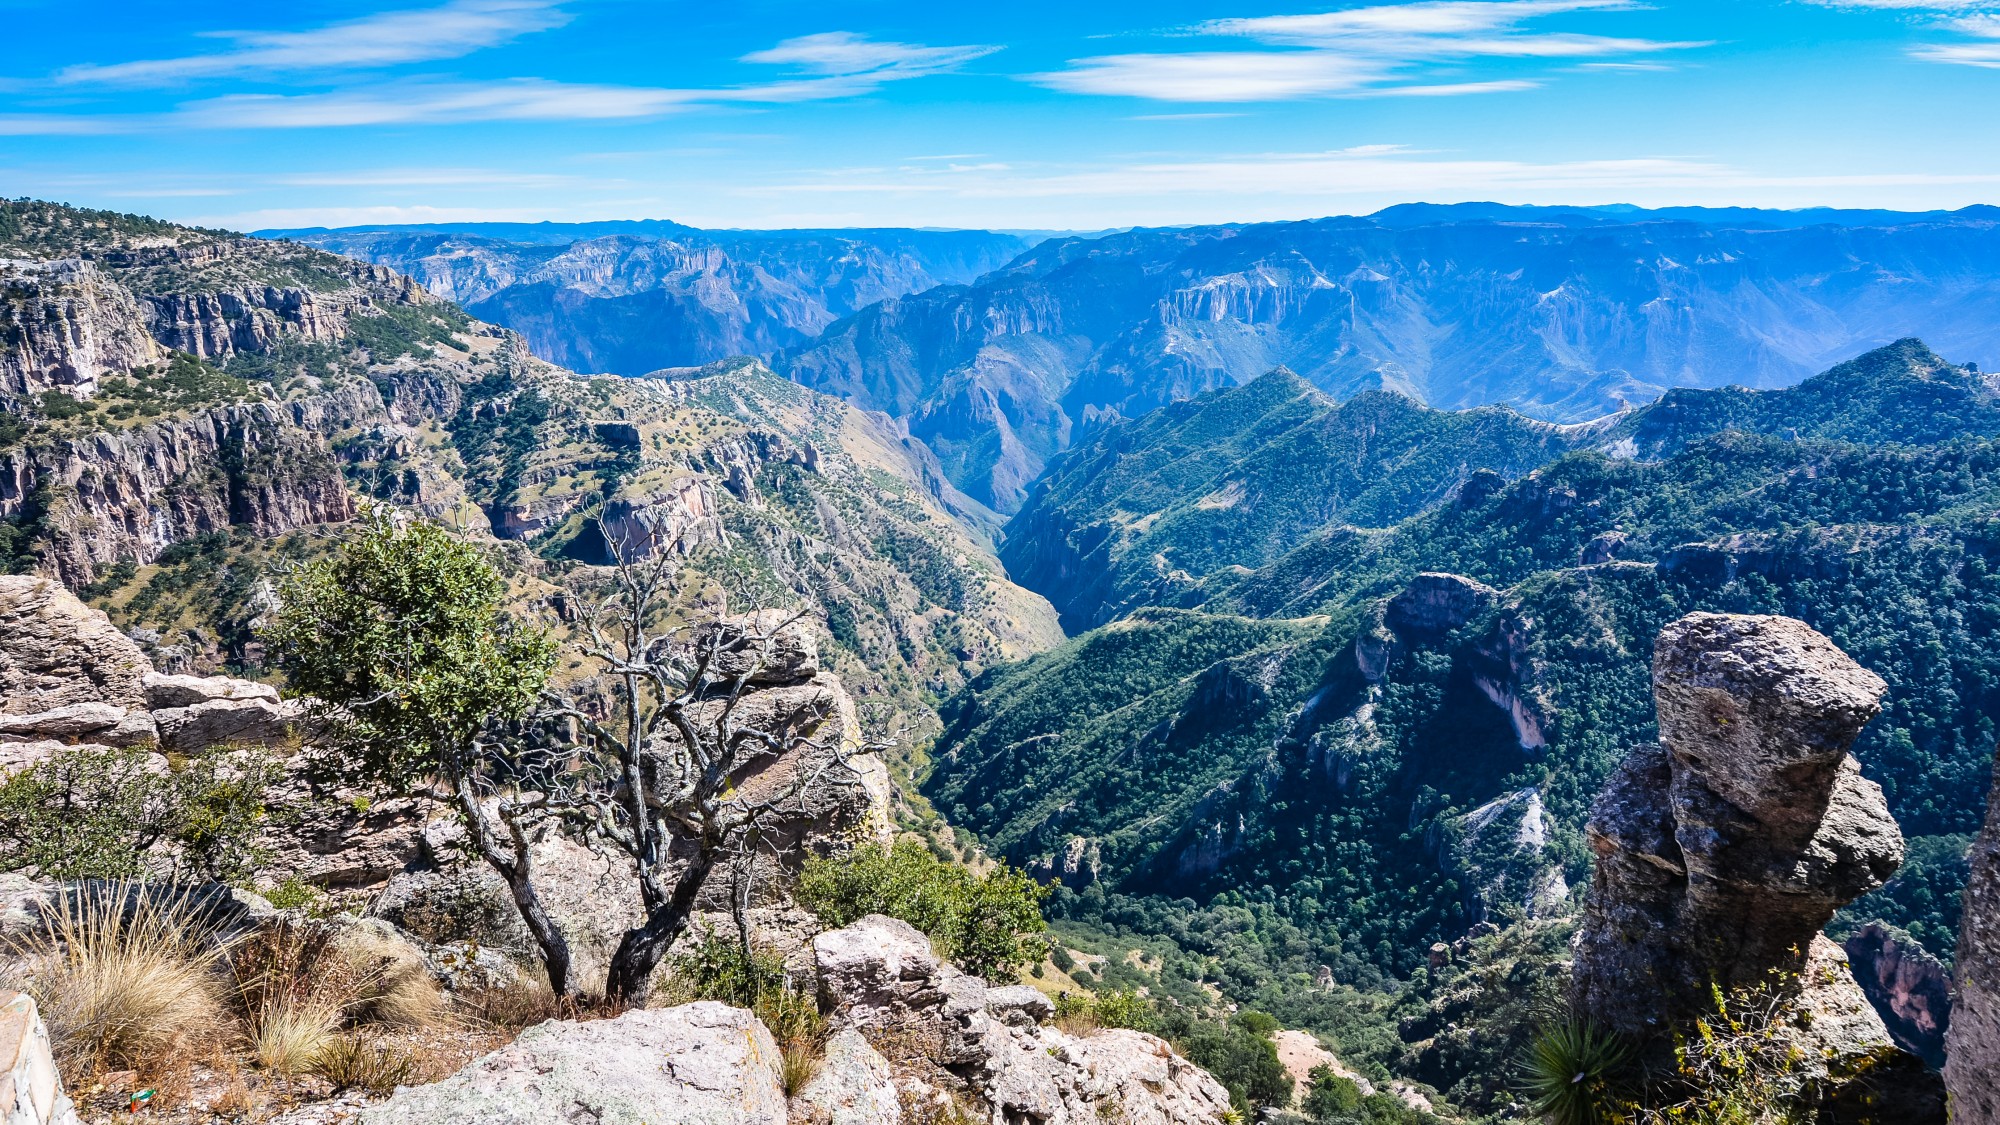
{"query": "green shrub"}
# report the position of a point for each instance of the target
(1574, 1074)
(990, 925)
(89, 813)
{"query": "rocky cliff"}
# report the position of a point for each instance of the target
(1724, 850)
(1972, 1050)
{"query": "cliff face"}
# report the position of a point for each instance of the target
(1972, 1051)
(1723, 851)
(65, 326)
(131, 493)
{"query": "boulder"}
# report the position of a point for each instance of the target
(1972, 1048)
(944, 1030)
(765, 648)
(228, 722)
(698, 1064)
(1723, 851)
(854, 1085)
(101, 724)
(55, 651)
(164, 691)
(31, 1090)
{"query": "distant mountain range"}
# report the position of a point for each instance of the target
(1001, 350)
(627, 298)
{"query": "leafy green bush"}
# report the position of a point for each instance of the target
(89, 813)
(990, 925)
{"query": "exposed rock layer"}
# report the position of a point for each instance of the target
(1972, 1050)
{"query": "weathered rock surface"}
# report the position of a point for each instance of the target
(1972, 1048)
(227, 722)
(1911, 989)
(1438, 603)
(698, 1064)
(942, 1029)
(1723, 851)
(55, 652)
(31, 1091)
(854, 1086)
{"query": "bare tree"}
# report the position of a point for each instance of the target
(660, 770)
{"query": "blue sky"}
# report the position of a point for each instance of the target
(1021, 114)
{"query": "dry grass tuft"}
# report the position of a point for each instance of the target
(126, 979)
(294, 991)
(394, 985)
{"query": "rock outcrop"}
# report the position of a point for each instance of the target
(949, 1034)
(1724, 850)
(1972, 1049)
(70, 678)
(701, 1063)
(1911, 989)
(31, 1091)
(66, 327)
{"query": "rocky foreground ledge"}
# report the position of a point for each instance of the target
(911, 1039)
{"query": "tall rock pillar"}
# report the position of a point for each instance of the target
(1724, 850)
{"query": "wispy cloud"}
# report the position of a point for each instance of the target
(385, 39)
(836, 65)
(847, 54)
(1342, 52)
(1976, 21)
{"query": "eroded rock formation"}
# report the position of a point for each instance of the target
(1972, 1050)
(947, 1035)
(1911, 989)
(1724, 850)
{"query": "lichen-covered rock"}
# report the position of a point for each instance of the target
(942, 1029)
(698, 1064)
(1972, 1049)
(1723, 851)
(164, 691)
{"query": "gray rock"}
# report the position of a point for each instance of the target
(1972, 1048)
(102, 724)
(163, 690)
(31, 1090)
(1437, 603)
(228, 722)
(766, 648)
(947, 1030)
(1723, 852)
(854, 1086)
(55, 651)
(698, 1064)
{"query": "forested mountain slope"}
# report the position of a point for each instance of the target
(1353, 756)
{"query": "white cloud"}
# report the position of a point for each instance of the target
(57, 125)
(1907, 5)
(1454, 89)
(1218, 76)
(847, 54)
(385, 39)
(1342, 52)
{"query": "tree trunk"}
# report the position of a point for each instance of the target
(519, 875)
(641, 949)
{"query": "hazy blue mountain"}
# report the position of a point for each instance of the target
(1563, 320)
(633, 297)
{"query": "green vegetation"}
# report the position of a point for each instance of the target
(403, 641)
(390, 332)
(989, 925)
(90, 813)
(1575, 1074)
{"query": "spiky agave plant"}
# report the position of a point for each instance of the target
(1573, 1074)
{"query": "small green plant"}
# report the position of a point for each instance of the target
(352, 1062)
(990, 925)
(1574, 1073)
